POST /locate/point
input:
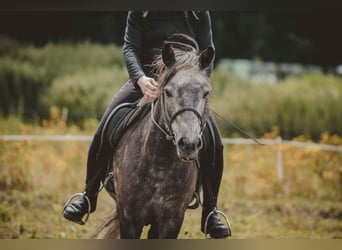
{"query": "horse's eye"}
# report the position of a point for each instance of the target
(167, 93)
(206, 94)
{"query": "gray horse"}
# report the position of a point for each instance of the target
(154, 164)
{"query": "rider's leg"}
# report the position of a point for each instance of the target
(211, 163)
(98, 156)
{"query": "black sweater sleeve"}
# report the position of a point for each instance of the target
(132, 45)
(134, 36)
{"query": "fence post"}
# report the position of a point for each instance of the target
(279, 161)
(65, 112)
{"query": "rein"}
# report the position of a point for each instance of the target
(168, 135)
(238, 128)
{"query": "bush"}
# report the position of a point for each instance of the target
(83, 77)
(9, 47)
(87, 94)
(27, 72)
(6, 212)
(308, 105)
(68, 58)
(21, 85)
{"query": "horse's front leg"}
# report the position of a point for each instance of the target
(130, 230)
(169, 228)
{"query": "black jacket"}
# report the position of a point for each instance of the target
(146, 31)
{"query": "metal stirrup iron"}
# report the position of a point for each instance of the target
(195, 201)
(88, 201)
(223, 215)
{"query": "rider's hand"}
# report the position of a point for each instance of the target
(149, 87)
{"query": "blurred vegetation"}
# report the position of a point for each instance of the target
(306, 204)
(82, 78)
(307, 105)
(322, 170)
(34, 78)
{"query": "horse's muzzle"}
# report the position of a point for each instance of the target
(188, 149)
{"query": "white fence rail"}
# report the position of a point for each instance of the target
(239, 141)
(279, 141)
(45, 137)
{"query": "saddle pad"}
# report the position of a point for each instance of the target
(119, 119)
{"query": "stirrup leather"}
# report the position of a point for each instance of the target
(88, 201)
(207, 219)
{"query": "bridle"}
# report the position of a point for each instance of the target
(169, 133)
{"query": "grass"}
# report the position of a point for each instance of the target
(250, 219)
(37, 178)
(55, 170)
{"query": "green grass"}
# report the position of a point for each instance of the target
(37, 214)
(37, 178)
(55, 170)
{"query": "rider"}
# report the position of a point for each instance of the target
(144, 35)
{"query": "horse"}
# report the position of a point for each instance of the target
(154, 164)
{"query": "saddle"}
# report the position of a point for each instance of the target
(116, 124)
(120, 119)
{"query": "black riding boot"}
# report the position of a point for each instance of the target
(76, 210)
(211, 164)
(96, 171)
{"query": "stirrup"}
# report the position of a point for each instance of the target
(207, 219)
(195, 201)
(81, 222)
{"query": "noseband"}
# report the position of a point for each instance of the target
(173, 118)
(169, 133)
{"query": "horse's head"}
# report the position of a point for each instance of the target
(184, 96)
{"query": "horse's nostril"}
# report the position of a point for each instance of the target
(198, 143)
(181, 142)
(185, 144)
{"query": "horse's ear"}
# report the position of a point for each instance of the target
(168, 55)
(206, 57)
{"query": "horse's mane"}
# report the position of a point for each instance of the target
(186, 52)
